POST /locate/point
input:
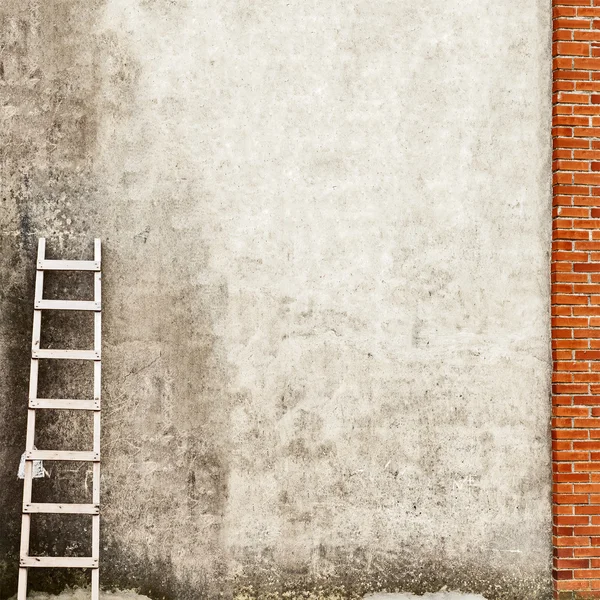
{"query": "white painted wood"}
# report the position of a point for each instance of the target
(69, 509)
(97, 432)
(41, 253)
(25, 526)
(30, 434)
(33, 378)
(39, 287)
(98, 287)
(68, 265)
(97, 380)
(96, 584)
(77, 455)
(64, 404)
(66, 304)
(96, 483)
(97, 332)
(96, 536)
(81, 562)
(22, 589)
(97, 393)
(67, 354)
(39, 275)
(37, 326)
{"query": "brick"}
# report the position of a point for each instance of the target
(562, 378)
(562, 177)
(563, 11)
(586, 551)
(588, 488)
(556, 574)
(584, 36)
(585, 400)
(569, 388)
(562, 288)
(570, 256)
(569, 457)
(587, 64)
(571, 520)
(573, 411)
(567, 142)
(571, 365)
(571, 189)
(586, 573)
(564, 23)
(570, 344)
(573, 477)
(577, 98)
(588, 378)
(572, 540)
(572, 299)
(570, 434)
(573, 563)
(587, 423)
(573, 48)
(586, 467)
(587, 446)
(570, 322)
(571, 121)
(586, 201)
(569, 234)
(593, 109)
(586, 178)
(590, 334)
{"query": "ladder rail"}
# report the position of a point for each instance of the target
(96, 445)
(30, 435)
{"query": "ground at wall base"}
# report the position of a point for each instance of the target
(84, 594)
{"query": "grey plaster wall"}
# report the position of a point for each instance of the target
(326, 230)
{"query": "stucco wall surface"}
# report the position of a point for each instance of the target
(325, 238)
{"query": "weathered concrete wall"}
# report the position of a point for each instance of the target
(326, 230)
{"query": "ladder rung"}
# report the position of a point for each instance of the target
(79, 562)
(62, 455)
(68, 265)
(66, 305)
(68, 354)
(64, 404)
(72, 509)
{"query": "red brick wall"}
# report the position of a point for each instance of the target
(576, 298)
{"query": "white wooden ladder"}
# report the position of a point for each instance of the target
(35, 403)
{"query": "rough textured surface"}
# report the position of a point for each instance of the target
(438, 596)
(84, 594)
(325, 228)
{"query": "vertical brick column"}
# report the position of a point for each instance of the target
(576, 298)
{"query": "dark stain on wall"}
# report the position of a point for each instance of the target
(47, 141)
(352, 575)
